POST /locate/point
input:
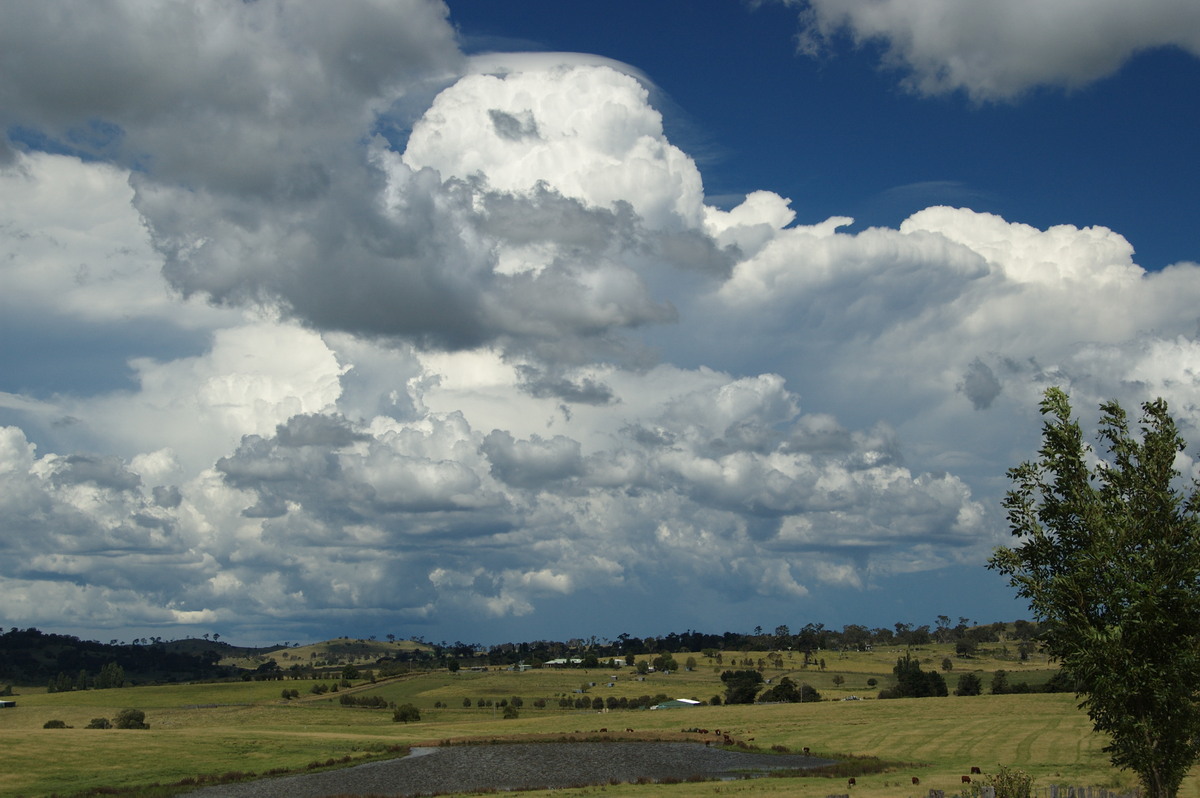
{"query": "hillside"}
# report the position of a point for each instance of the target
(32, 657)
(329, 653)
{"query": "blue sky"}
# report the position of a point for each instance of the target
(491, 321)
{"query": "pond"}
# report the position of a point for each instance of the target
(517, 766)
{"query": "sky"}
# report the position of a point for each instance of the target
(540, 320)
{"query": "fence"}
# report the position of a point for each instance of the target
(1050, 791)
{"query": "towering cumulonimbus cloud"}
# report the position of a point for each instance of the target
(500, 356)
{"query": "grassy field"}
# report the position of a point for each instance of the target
(248, 726)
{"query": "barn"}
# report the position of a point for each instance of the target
(676, 702)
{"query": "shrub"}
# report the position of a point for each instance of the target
(406, 713)
(131, 719)
(55, 724)
(1013, 783)
(99, 723)
(510, 712)
(969, 684)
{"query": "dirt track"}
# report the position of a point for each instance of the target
(515, 766)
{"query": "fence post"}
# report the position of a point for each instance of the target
(987, 791)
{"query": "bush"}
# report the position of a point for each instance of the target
(99, 723)
(1000, 683)
(510, 712)
(969, 684)
(55, 724)
(131, 719)
(1011, 783)
(406, 713)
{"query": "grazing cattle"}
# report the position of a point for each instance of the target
(916, 780)
(604, 730)
(966, 779)
(852, 782)
(975, 770)
(629, 730)
(806, 750)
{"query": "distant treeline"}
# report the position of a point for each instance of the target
(810, 638)
(64, 662)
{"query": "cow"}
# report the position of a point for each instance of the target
(852, 782)
(916, 780)
(966, 779)
(975, 770)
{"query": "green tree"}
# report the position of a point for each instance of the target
(131, 719)
(789, 691)
(1108, 556)
(1000, 683)
(969, 684)
(406, 713)
(741, 686)
(912, 682)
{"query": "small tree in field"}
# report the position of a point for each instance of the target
(131, 719)
(1108, 555)
(969, 684)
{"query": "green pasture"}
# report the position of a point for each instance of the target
(247, 726)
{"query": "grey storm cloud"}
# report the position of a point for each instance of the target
(104, 472)
(980, 384)
(584, 390)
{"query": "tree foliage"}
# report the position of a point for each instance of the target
(969, 684)
(1108, 556)
(789, 691)
(741, 686)
(912, 682)
(131, 719)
